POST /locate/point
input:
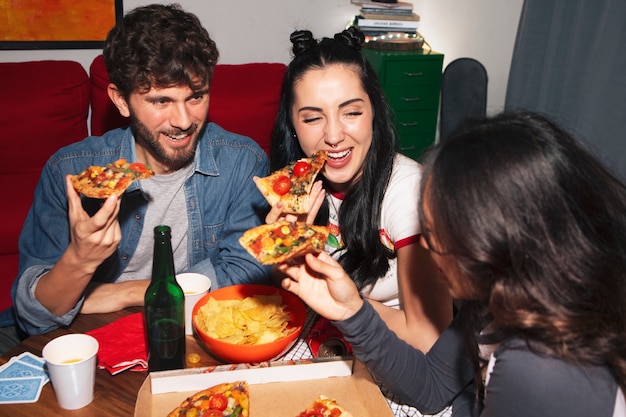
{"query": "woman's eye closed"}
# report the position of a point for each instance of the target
(311, 119)
(355, 113)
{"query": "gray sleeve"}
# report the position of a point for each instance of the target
(428, 382)
(524, 384)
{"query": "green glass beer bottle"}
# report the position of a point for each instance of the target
(164, 308)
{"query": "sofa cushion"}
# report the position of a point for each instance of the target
(45, 107)
(104, 115)
(244, 99)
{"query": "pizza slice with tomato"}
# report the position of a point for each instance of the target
(292, 184)
(229, 399)
(281, 241)
(324, 407)
(112, 179)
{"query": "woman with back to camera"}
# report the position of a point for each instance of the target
(332, 101)
(530, 229)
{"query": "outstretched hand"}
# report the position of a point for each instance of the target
(323, 284)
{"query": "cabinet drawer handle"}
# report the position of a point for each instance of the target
(410, 99)
(414, 74)
(409, 124)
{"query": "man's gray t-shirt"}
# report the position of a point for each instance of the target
(168, 206)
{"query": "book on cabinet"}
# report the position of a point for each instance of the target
(399, 5)
(384, 16)
(389, 24)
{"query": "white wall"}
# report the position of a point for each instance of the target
(480, 29)
(258, 31)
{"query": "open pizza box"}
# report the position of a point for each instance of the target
(276, 389)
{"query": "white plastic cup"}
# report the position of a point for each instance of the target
(194, 286)
(71, 362)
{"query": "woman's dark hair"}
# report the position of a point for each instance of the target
(537, 227)
(365, 259)
(159, 46)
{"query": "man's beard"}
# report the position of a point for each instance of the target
(175, 159)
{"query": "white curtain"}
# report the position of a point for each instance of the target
(569, 62)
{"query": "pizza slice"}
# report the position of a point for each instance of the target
(278, 242)
(112, 179)
(292, 184)
(324, 407)
(229, 399)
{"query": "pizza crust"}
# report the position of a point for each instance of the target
(265, 186)
(112, 179)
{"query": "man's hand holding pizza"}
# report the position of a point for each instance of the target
(95, 238)
(92, 240)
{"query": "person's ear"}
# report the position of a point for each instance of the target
(119, 100)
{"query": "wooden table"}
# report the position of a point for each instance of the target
(114, 395)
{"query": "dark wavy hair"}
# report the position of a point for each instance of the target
(159, 46)
(365, 259)
(537, 225)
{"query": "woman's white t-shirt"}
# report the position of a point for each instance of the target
(399, 224)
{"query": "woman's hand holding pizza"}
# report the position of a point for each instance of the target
(292, 190)
(316, 199)
(323, 285)
(295, 197)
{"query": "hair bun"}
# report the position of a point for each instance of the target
(302, 40)
(352, 37)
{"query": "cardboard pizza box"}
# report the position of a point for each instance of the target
(280, 389)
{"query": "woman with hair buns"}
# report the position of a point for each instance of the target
(368, 193)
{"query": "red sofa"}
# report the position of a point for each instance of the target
(49, 106)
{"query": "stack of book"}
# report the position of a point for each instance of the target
(377, 19)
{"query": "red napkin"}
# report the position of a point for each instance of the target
(122, 344)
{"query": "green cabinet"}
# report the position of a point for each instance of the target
(412, 82)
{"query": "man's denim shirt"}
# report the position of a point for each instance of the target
(222, 203)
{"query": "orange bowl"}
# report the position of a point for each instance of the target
(234, 353)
